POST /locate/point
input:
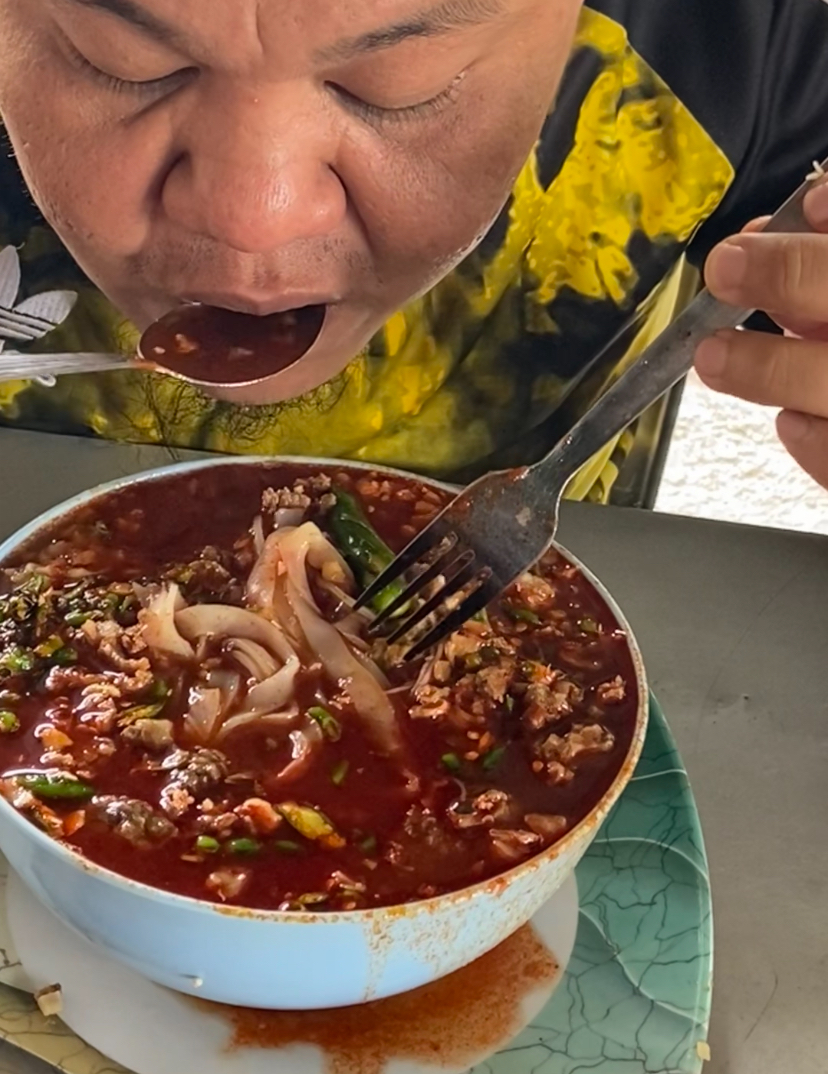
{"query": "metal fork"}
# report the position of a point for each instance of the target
(46, 366)
(503, 523)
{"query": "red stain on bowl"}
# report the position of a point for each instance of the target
(452, 1023)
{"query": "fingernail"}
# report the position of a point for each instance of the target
(793, 426)
(711, 357)
(727, 267)
(816, 206)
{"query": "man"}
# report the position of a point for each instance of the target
(482, 193)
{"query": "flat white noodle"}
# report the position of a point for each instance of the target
(159, 625)
(224, 621)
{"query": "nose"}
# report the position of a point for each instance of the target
(254, 171)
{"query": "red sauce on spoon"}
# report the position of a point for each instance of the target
(208, 345)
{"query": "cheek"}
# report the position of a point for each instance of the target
(90, 179)
(426, 201)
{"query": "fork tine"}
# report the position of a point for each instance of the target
(442, 565)
(461, 578)
(473, 603)
(421, 544)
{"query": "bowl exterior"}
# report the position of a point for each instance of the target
(290, 961)
(271, 961)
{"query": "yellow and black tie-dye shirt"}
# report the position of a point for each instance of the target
(677, 121)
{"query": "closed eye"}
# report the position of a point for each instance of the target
(381, 113)
(149, 87)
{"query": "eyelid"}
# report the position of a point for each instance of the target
(412, 111)
(124, 85)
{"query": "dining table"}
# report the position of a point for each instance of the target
(733, 624)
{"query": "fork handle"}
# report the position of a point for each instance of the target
(662, 365)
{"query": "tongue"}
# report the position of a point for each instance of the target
(216, 346)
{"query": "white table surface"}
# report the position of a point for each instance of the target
(733, 622)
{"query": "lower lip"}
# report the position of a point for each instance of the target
(215, 346)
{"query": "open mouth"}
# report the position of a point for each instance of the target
(214, 346)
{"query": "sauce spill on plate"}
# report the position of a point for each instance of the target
(452, 1023)
(217, 346)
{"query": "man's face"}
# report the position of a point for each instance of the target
(271, 154)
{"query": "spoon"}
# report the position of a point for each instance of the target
(203, 345)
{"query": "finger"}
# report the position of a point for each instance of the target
(759, 224)
(785, 274)
(771, 370)
(816, 206)
(803, 329)
(806, 439)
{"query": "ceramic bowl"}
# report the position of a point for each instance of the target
(268, 959)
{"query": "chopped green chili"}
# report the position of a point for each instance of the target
(362, 547)
(287, 846)
(340, 772)
(493, 758)
(451, 761)
(56, 785)
(523, 615)
(309, 822)
(312, 898)
(9, 723)
(331, 727)
(589, 626)
(206, 844)
(244, 847)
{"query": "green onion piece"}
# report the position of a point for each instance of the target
(340, 772)
(9, 723)
(330, 725)
(65, 657)
(589, 626)
(473, 662)
(141, 712)
(159, 691)
(244, 847)
(451, 761)
(523, 615)
(369, 844)
(493, 758)
(510, 703)
(56, 785)
(18, 660)
(287, 846)
(206, 844)
(49, 647)
(76, 619)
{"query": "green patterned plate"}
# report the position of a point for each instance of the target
(636, 995)
(635, 998)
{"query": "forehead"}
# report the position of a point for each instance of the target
(243, 23)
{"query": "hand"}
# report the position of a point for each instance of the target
(787, 277)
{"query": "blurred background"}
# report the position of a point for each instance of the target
(726, 463)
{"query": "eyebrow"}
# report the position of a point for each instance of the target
(444, 18)
(137, 16)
